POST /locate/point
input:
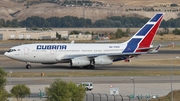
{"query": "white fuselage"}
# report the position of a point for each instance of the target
(49, 54)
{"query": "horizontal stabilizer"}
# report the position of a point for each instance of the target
(156, 49)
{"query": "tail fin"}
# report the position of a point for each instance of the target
(144, 37)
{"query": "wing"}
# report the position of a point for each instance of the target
(116, 56)
(113, 56)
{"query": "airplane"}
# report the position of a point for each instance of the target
(89, 55)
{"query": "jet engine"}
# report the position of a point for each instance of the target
(80, 61)
(102, 60)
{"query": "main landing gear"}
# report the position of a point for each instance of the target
(28, 66)
(89, 67)
(85, 67)
(92, 66)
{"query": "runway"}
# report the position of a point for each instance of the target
(66, 68)
(95, 80)
(17, 66)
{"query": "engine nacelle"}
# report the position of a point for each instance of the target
(80, 62)
(102, 60)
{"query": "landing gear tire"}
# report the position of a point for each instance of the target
(92, 67)
(85, 67)
(28, 66)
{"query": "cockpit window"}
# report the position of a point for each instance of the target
(11, 50)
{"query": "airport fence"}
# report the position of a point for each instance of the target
(108, 97)
(96, 97)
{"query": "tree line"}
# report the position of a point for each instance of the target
(75, 22)
(60, 2)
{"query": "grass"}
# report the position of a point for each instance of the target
(94, 73)
(176, 96)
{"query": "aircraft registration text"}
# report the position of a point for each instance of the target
(114, 46)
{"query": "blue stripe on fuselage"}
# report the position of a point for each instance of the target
(156, 18)
(132, 45)
(144, 30)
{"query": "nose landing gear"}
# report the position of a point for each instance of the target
(28, 66)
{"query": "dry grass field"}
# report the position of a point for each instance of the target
(47, 10)
(138, 2)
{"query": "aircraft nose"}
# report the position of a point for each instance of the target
(6, 54)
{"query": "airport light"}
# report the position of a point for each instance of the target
(172, 99)
(10, 72)
(133, 86)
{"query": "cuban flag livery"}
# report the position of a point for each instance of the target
(88, 55)
(144, 37)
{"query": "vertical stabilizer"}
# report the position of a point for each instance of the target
(144, 37)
